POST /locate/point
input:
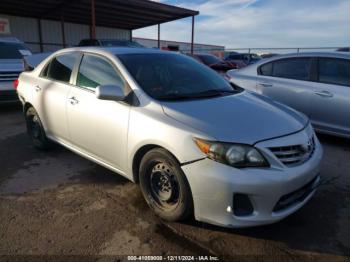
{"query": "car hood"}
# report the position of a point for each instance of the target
(241, 118)
(11, 65)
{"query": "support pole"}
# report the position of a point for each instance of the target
(159, 36)
(93, 20)
(192, 38)
(40, 36)
(63, 32)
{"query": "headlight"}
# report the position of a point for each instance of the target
(237, 155)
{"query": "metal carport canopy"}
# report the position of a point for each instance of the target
(124, 14)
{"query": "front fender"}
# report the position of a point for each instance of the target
(157, 129)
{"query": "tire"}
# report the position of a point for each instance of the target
(164, 186)
(35, 129)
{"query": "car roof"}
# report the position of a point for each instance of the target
(204, 54)
(116, 50)
(242, 53)
(9, 39)
(332, 54)
(318, 53)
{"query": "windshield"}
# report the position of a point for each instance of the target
(120, 43)
(171, 76)
(210, 59)
(13, 50)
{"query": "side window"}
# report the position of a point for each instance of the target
(265, 70)
(95, 71)
(60, 67)
(293, 68)
(334, 71)
(45, 70)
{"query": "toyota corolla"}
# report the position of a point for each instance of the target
(196, 144)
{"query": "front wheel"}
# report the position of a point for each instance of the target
(35, 129)
(164, 186)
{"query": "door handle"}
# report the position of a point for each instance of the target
(265, 84)
(324, 93)
(73, 100)
(37, 88)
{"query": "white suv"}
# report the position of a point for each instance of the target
(12, 52)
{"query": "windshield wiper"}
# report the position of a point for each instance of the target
(204, 94)
(174, 97)
(213, 93)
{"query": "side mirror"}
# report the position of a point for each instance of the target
(110, 92)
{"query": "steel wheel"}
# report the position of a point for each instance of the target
(36, 130)
(164, 186)
(34, 126)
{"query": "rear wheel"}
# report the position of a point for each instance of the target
(164, 185)
(35, 129)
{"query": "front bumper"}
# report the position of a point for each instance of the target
(214, 184)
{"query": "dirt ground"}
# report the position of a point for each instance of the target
(57, 203)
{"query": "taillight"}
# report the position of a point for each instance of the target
(15, 83)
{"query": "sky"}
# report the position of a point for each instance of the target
(260, 23)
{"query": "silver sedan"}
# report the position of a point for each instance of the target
(315, 83)
(196, 144)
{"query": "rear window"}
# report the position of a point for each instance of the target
(89, 42)
(235, 56)
(210, 59)
(13, 50)
(334, 71)
(123, 43)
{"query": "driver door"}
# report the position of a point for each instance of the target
(98, 128)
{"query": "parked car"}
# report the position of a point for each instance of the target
(216, 63)
(315, 83)
(246, 58)
(11, 53)
(109, 43)
(194, 142)
(268, 55)
(32, 61)
(344, 49)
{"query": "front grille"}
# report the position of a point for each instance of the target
(8, 95)
(295, 154)
(9, 76)
(296, 196)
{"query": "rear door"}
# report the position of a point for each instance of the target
(331, 99)
(287, 81)
(51, 91)
(98, 127)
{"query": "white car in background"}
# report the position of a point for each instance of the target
(315, 83)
